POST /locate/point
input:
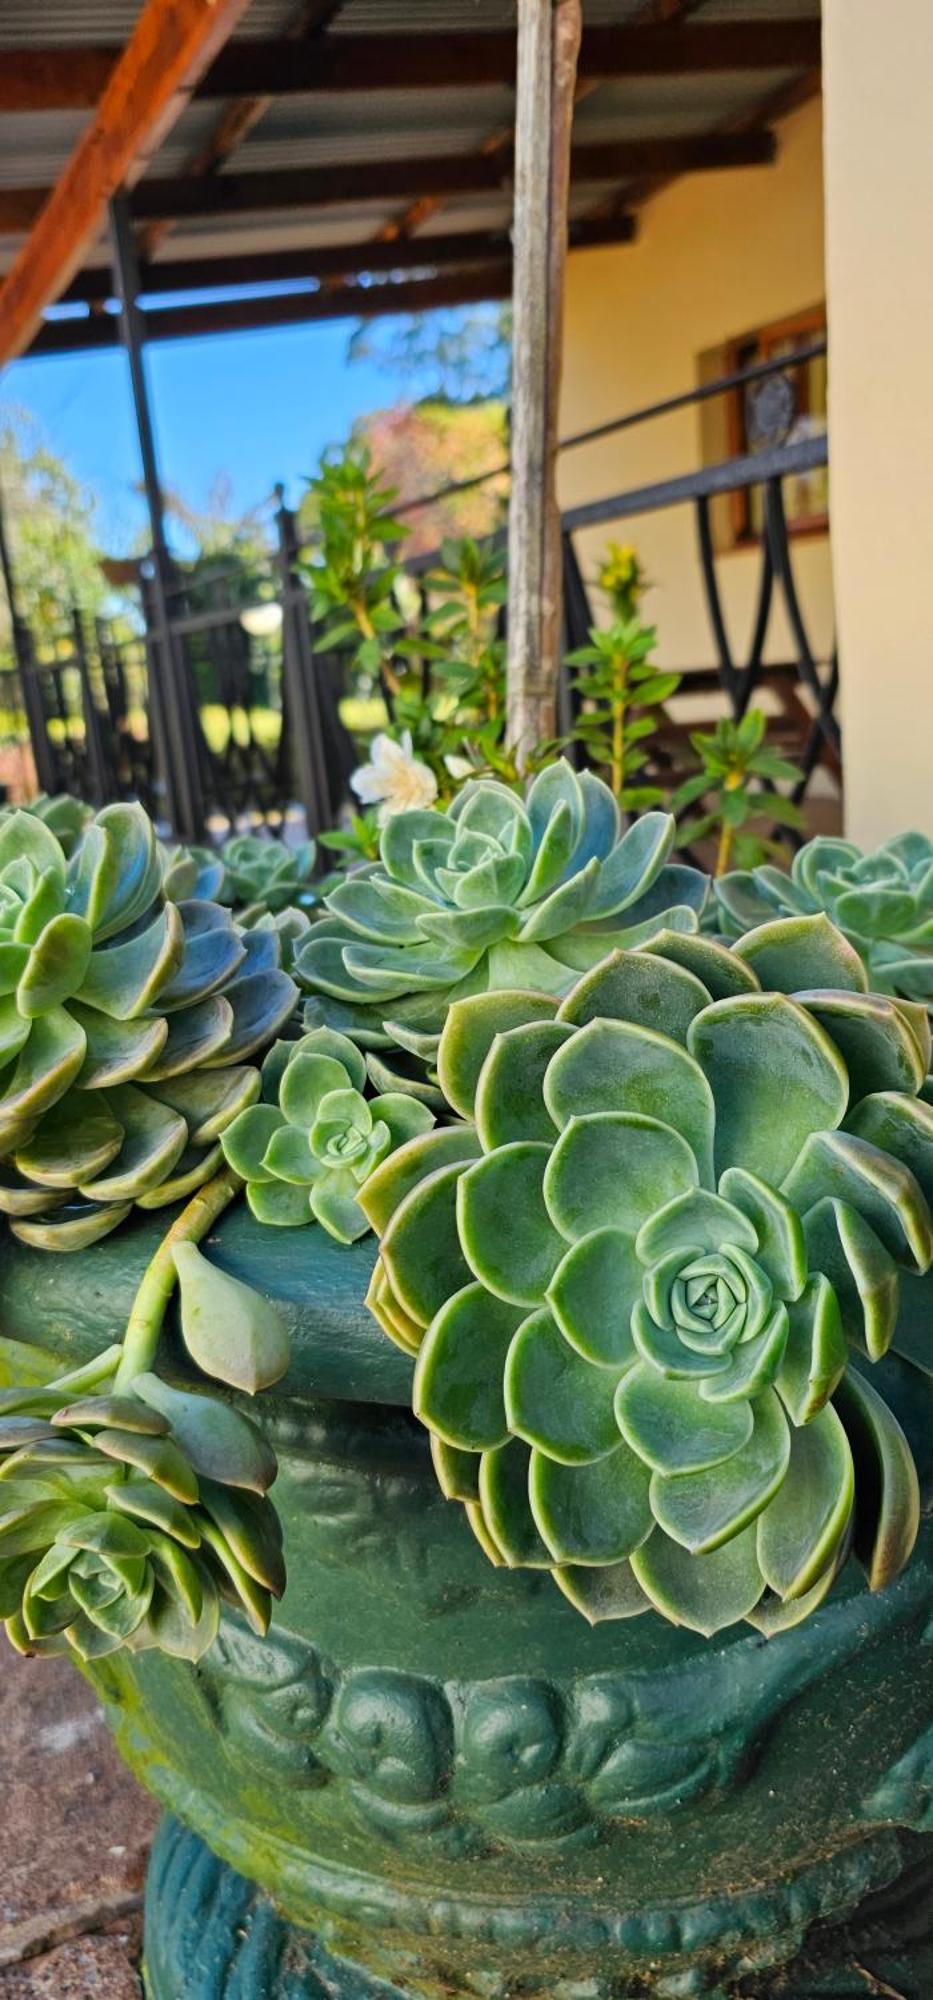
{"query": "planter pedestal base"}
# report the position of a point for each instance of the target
(212, 1935)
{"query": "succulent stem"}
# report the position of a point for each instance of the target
(144, 1325)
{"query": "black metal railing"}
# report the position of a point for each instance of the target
(215, 722)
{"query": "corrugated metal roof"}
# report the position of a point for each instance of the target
(320, 130)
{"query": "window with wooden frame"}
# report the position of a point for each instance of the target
(731, 424)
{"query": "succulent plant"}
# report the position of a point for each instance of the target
(64, 815)
(635, 1275)
(130, 1509)
(491, 893)
(126, 1518)
(191, 871)
(126, 1022)
(883, 902)
(306, 1151)
(265, 875)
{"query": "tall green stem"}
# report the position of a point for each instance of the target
(724, 850)
(141, 1340)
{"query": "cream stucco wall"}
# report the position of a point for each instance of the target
(878, 79)
(717, 255)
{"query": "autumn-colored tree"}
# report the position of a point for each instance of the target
(421, 448)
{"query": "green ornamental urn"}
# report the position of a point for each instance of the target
(599, 1663)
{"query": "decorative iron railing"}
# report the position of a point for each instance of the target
(218, 708)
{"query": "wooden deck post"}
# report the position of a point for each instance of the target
(548, 47)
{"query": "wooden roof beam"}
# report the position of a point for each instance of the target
(191, 195)
(491, 280)
(347, 260)
(49, 79)
(170, 47)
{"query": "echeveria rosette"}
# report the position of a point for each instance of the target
(882, 901)
(634, 1277)
(126, 1518)
(261, 875)
(126, 1025)
(493, 893)
(305, 1152)
(131, 1509)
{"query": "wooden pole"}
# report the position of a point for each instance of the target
(548, 47)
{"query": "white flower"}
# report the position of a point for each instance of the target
(394, 779)
(460, 768)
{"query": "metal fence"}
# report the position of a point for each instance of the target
(214, 703)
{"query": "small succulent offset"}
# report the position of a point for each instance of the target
(634, 1277)
(130, 1509)
(126, 1022)
(262, 876)
(491, 893)
(305, 1153)
(882, 901)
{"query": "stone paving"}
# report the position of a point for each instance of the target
(74, 1839)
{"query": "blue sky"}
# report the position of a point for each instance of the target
(252, 407)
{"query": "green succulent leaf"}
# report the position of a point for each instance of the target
(802, 1528)
(704, 1509)
(503, 1494)
(591, 1514)
(776, 1078)
(614, 1169)
(470, 1030)
(706, 1593)
(670, 1426)
(505, 1228)
(615, 1066)
(593, 1293)
(862, 1273)
(230, 1331)
(887, 1510)
(554, 1399)
(218, 1441)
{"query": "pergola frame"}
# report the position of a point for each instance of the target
(181, 48)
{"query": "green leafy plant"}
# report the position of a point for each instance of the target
(882, 901)
(635, 1278)
(493, 892)
(351, 577)
(357, 841)
(305, 1152)
(126, 1025)
(618, 690)
(131, 1509)
(736, 782)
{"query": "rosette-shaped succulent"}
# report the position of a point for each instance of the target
(64, 815)
(492, 893)
(306, 1151)
(126, 1517)
(261, 875)
(126, 1021)
(191, 871)
(634, 1276)
(883, 902)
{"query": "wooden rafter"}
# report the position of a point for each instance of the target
(387, 180)
(241, 116)
(490, 280)
(171, 46)
(348, 260)
(62, 78)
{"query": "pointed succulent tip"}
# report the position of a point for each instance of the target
(230, 1331)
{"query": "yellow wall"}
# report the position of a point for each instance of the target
(718, 254)
(878, 78)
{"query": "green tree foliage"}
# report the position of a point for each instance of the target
(51, 527)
